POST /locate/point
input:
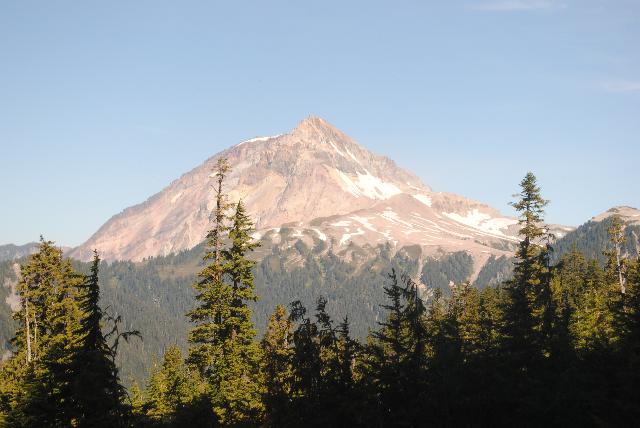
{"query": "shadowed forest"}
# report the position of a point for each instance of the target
(557, 344)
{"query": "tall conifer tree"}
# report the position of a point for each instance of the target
(276, 367)
(97, 390)
(222, 342)
(48, 339)
(529, 287)
(213, 295)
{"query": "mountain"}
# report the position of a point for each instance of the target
(592, 237)
(320, 183)
(11, 251)
(629, 215)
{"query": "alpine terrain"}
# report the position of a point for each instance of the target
(318, 184)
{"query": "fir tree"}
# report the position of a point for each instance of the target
(97, 390)
(238, 400)
(276, 367)
(213, 295)
(47, 338)
(171, 388)
(522, 334)
(222, 342)
(307, 367)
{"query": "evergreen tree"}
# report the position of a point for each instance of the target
(97, 391)
(397, 356)
(222, 342)
(337, 402)
(276, 367)
(387, 351)
(527, 294)
(213, 295)
(307, 368)
(47, 338)
(238, 400)
(528, 312)
(171, 388)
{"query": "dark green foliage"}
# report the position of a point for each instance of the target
(276, 367)
(222, 348)
(321, 381)
(63, 372)
(494, 272)
(154, 295)
(556, 344)
(450, 268)
(98, 395)
(592, 238)
(7, 324)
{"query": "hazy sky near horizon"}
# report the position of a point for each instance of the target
(103, 104)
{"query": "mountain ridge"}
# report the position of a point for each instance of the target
(312, 172)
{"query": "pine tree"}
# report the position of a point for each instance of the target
(528, 312)
(567, 288)
(171, 387)
(237, 377)
(397, 356)
(629, 318)
(351, 405)
(222, 342)
(46, 340)
(307, 367)
(276, 367)
(213, 295)
(97, 391)
(522, 334)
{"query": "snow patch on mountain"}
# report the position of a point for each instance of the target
(393, 217)
(321, 235)
(482, 221)
(364, 221)
(352, 156)
(258, 139)
(368, 185)
(424, 199)
(176, 197)
(348, 236)
(337, 149)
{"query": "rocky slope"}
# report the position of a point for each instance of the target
(322, 185)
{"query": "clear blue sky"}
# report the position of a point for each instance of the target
(103, 104)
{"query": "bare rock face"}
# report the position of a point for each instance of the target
(316, 178)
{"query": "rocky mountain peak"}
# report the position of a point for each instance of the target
(315, 171)
(316, 129)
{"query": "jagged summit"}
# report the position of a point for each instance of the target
(315, 171)
(317, 129)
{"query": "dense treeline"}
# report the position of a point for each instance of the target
(63, 372)
(558, 343)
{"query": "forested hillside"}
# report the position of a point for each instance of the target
(305, 337)
(592, 237)
(153, 295)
